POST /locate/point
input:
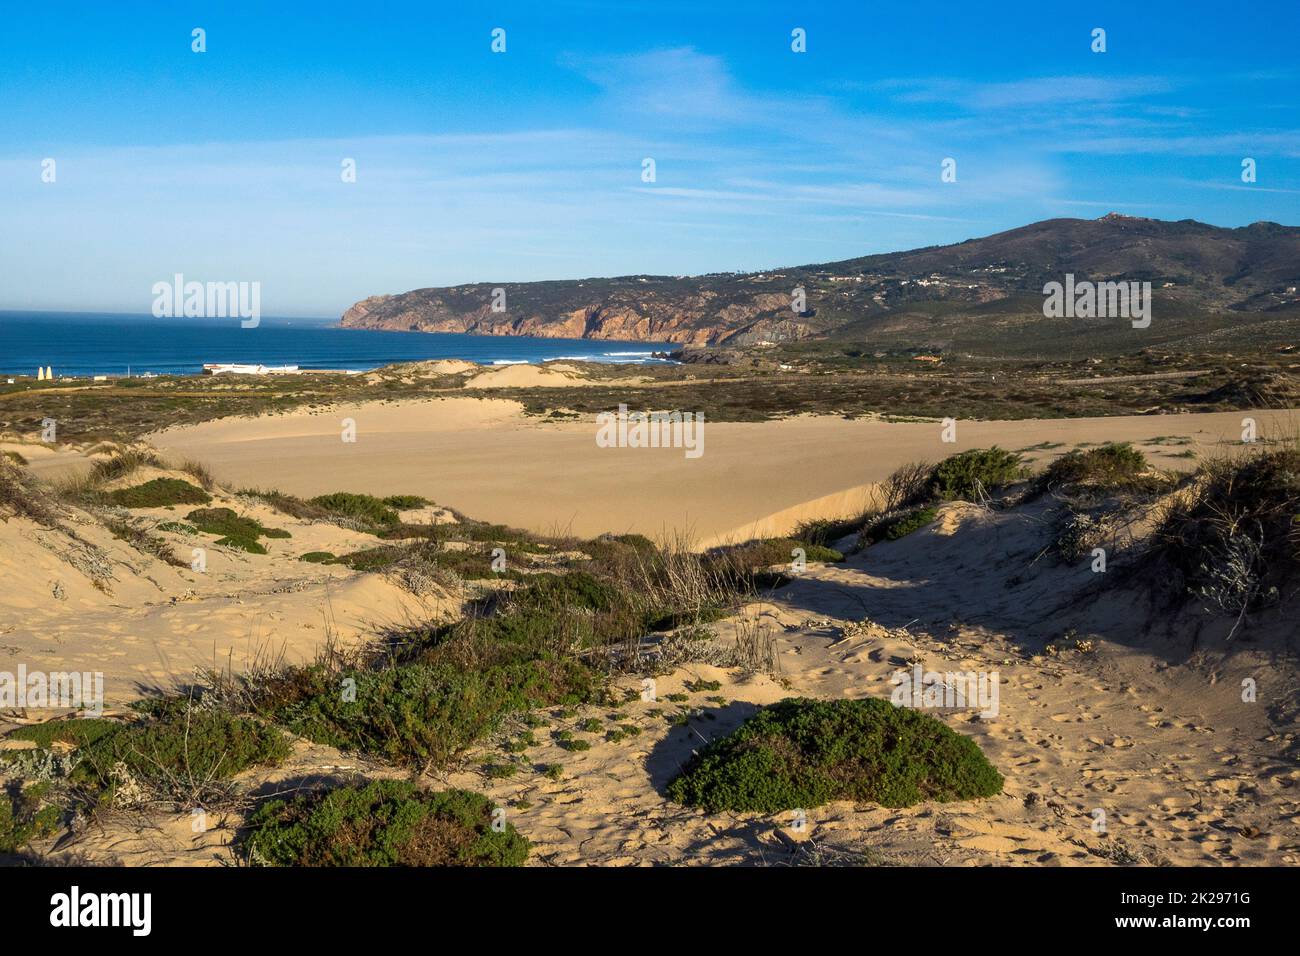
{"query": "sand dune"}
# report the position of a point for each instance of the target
(486, 459)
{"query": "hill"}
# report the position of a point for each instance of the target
(1209, 284)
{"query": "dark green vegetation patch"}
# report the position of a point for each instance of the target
(980, 471)
(899, 525)
(236, 531)
(384, 823)
(1112, 467)
(368, 512)
(802, 753)
(160, 493)
(182, 753)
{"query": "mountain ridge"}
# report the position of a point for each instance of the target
(931, 294)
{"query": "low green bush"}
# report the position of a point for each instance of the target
(1112, 467)
(425, 713)
(383, 823)
(24, 816)
(317, 557)
(893, 527)
(78, 732)
(405, 502)
(964, 476)
(181, 753)
(802, 753)
(236, 531)
(159, 493)
(367, 510)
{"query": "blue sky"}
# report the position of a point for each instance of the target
(475, 166)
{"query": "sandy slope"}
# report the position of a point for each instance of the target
(1144, 727)
(487, 460)
(154, 623)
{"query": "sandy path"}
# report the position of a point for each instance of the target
(485, 459)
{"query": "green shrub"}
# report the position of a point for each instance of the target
(383, 823)
(367, 510)
(963, 477)
(24, 816)
(242, 544)
(824, 531)
(405, 502)
(183, 752)
(178, 527)
(575, 590)
(78, 732)
(1112, 467)
(317, 557)
(422, 714)
(371, 559)
(236, 531)
(159, 493)
(802, 753)
(893, 527)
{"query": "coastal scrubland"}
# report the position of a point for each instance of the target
(734, 386)
(545, 687)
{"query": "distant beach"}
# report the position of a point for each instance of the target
(84, 344)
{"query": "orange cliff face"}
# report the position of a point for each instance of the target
(698, 319)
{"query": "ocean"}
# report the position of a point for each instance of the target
(84, 343)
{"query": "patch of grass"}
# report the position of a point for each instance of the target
(368, 512)
(825, 531)
(160, 493)
(199, 472)
(317, 557)
(405, 502)
(383, 823)
(78, 732)
(142, 539)
(972, 474)
(802, 753)
(21, 494)
(123, 464)
(178, 527)
(701, 685)
(235, 531)
(371, 559)
(591, 725)
(898, 525)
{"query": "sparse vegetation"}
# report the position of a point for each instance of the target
(1108, 468)
(383, 823)
(183, 754)
(1234, 537)
(891, 527)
